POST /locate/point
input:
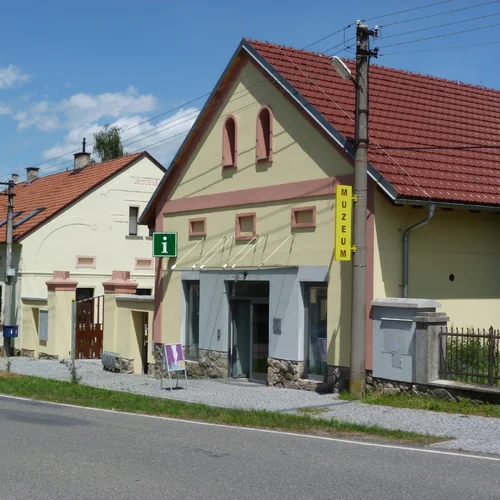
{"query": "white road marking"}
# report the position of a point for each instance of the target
(255, 429)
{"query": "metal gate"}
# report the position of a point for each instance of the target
(89, 319)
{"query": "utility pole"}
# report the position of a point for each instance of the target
(9, 275)
(357, 381)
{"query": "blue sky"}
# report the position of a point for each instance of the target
(68, 68)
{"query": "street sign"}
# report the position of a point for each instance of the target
(164, 244)
(343, 222)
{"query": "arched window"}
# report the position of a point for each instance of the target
(230, 143)
(264, 144)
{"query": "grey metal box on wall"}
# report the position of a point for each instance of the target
(394, 336)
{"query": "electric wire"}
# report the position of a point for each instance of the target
(170, 124)
(438, 14)
(408, 10)
(353, 120)
(454, 47)
(439, 36)
(172, 110)
(442, 25)
(430, 148)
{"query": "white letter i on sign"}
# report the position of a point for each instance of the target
(164, 245)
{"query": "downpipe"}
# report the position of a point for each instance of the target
(430, 215)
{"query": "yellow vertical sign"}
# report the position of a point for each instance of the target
(343, 222)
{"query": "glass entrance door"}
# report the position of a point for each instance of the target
(240, 354)
(260, 340)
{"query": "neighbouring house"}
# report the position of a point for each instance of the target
(255, 291)
(83, 221)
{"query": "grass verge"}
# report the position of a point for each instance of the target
(82, 395)
(464, 406)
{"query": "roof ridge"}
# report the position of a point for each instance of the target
(68, 170)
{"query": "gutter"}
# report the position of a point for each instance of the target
(406, 236)
(449, 205)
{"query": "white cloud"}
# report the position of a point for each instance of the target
(162, 138)
(11, 75)
(5, 109)
(81, 109)
(82, 115)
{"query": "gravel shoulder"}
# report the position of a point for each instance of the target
(471, 433)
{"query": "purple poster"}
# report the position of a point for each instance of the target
(174, 356)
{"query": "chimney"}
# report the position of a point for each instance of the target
(15, 178)
(31, 174)
(82, 159)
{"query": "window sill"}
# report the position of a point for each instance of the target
(228, 167)
(265, 159)
(131, 237)
(304, 225)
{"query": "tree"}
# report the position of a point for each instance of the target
(108, 143)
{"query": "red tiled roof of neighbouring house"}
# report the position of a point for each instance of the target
(408, 110)
(38, 201)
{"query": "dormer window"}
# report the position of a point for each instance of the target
(229, 143)
(264, 140)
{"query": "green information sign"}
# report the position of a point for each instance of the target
(164, 244)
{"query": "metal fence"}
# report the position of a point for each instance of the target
(470, 355)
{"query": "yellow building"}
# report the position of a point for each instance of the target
(254, 290)
(83, 221)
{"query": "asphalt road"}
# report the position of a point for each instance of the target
(56, 452)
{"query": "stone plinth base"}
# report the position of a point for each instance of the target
(290, 375)
(210, 364)
(44, 355)
(122, 365)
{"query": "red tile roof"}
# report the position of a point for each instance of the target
(408, 110)
(56, 192)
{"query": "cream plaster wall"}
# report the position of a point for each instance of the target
(123, 328)
(96, 226)
(454, 242)
(305, 247)
(300, 152)
(30, 324)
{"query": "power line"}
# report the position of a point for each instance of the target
(430, 148)
(439, 14)
(340, 44)
(440, 48)
(329, 36)
(352, 120)
(246, 91)
(408, 10)
(171, 124)
(440, 36)
(160, 115)
(441, 25)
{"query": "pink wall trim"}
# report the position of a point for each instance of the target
(192, 232)
(61, 282)
(175, 175)
(239, 236)
(298, 225)
(226, 147)
(91, 265)
(260, 149)
(370, 241)
(138, 263)
(120, 282)
(279, 192)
